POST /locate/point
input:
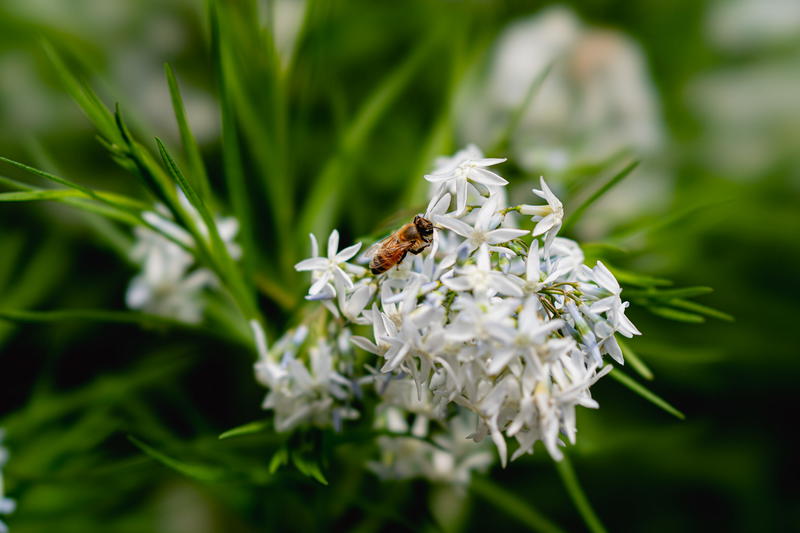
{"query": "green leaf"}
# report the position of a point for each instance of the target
(627, 277)
(669, 294)
(280, 458)
(645, 393)
(578, 496)
(198, 170)
(231, 152)
(512, 504)
(257, 426)
(674, 314)
(636, 363)
(196, 471)
(224, 263)
(52, 177)
(308, 467)
(702, 309)
(325, 197)
(86, 99)
(33, 196)
(616, 179)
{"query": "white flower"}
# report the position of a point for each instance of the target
(458, 335)
(326, 268)
(480, 278)
(7, 505)
(612, 304)
(170, 283)
(550, 217)
(300, 394)
(482, 232)
(467, 165)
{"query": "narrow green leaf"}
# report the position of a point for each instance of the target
(280, 458)
(669, 294)
(247, 429)
(308, 467)
(231, 152)
(645, 393)
(52, 177)
(702, 309)
(34, 196)
(86, 99)
(674, 314)
(626, 277)
(512, 504)
(224, 263)
(636, 363)
(200, 472)
(325, 198)
(570, 480)
(190, 147)
(616, 179)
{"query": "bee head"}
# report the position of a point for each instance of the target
(424, 226)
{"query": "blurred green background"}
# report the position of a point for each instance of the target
(374, 93)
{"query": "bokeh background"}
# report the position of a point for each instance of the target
(705, 94)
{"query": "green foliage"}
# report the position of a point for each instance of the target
(328, 136)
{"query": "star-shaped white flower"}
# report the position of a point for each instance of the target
(612, 305)
(482, 232)
(326, 268)
(549, 218)
(481, 278)
(467, 165)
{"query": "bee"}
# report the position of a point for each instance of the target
(413, 237)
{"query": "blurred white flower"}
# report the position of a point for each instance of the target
(748, 110)
(596, 101)
(301, 391)
(7, 505)
(170, 283)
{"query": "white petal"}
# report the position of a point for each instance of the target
(461, 196)
(313, 263)
(321, 281)
(461, 283)
(365, 344)
(438, 206)
(453, 224)
(532, 264)
(333, 243)
(496, 236)
(488, 161)
(348, 253)
(485, 214)
(439, 176)
(504, 285)
(486, 177)
(544, 225)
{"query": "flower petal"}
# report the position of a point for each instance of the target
(348, 253)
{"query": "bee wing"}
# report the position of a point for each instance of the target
(369, 253)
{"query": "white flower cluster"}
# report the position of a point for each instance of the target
(170, 284)
(7, 505)
(499, 325)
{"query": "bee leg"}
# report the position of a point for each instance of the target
(419, 250)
